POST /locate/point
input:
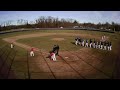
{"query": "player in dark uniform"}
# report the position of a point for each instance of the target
(110, 46)
(105, 43)
(94, 43)
(101, 45)
(86, 45)
(83, 42)
(57, 49)
(76, 41)
(79, 41)
(54, 48)
(90, 43)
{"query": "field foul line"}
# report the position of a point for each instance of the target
(72, 67)
(3, 64)
(11, 64)
(90, 64)
(47, 64)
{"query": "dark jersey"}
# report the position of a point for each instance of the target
(86, 41)
(57, 47)
(98, 43)
(90, 41)
(105, 43)
(110, 44)
(79, 40)
(101, 43)
(54, 48)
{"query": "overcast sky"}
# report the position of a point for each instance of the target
(81, 16)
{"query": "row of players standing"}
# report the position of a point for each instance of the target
(104, 45)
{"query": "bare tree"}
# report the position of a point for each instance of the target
(20, 22)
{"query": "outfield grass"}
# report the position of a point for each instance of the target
(47, 43)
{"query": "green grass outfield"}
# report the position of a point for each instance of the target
(46, 42)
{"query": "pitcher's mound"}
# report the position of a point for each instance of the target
(58, 39)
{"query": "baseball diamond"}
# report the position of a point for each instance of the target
(72, 62)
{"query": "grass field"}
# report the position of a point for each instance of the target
(47, 42)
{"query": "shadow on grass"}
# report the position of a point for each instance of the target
(73, 43)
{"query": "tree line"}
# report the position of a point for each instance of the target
(52, 22)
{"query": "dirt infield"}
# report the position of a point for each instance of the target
(79, 64)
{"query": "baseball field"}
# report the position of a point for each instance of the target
(73, 62)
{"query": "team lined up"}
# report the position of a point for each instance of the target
(102, 44)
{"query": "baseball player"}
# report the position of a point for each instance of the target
(11, 45)
(110, 46)
(94, 44)
(76, 41)
(102, 38)
(54, 48)
(86, 45)
(105, 43)
(32, 52)
(52, 54)
(57, 49)
(83, 42)
(101, 45)
(79, 41)
(90, 43)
